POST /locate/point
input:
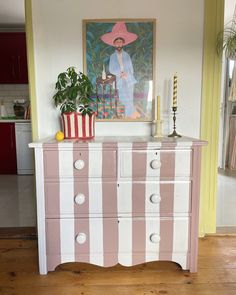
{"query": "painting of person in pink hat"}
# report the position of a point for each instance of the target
(120, 65)
(119, 61)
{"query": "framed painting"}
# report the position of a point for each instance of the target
(119, 57)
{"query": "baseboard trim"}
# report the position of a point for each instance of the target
(28, 233)
(226, 230)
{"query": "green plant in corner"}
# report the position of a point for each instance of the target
(73, 92)
(226, 40)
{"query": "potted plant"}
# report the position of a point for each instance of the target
(226, 40)
(73, 97)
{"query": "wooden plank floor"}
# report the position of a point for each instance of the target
(216, 273)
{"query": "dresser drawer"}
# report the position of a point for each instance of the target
(80, 164)
(80, 199)
(155, 163)
(109, 241)
(160, 198)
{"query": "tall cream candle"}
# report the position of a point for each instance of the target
(155, 108)
(158, 106)
(175, 92)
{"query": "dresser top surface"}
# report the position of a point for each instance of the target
(121, 141)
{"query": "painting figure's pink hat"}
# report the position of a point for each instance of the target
(119, 31)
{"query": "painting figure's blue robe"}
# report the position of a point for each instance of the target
(125, 86)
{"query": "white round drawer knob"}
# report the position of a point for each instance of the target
(81, 238)
(79, 199)
(155, 199)
(155, 238)
(79, 164)
(155, 164)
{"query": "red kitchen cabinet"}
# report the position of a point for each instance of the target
(8, 149)
(13, 58)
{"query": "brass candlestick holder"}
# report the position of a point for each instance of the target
(174, 133)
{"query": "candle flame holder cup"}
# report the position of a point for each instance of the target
(174, 133)
(158, 128)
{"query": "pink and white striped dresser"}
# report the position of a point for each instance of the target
(118, 200)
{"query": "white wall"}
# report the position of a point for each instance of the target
(57, 27)
(229, 10)
(12, 13)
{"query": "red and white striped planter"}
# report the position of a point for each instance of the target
(76, 125)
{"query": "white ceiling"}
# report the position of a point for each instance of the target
(12, 13)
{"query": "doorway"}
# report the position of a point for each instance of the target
(226, 201)
(17, 185)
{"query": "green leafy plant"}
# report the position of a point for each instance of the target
(73, 92)
(226, 40)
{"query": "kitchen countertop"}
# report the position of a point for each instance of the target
(14, 121)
